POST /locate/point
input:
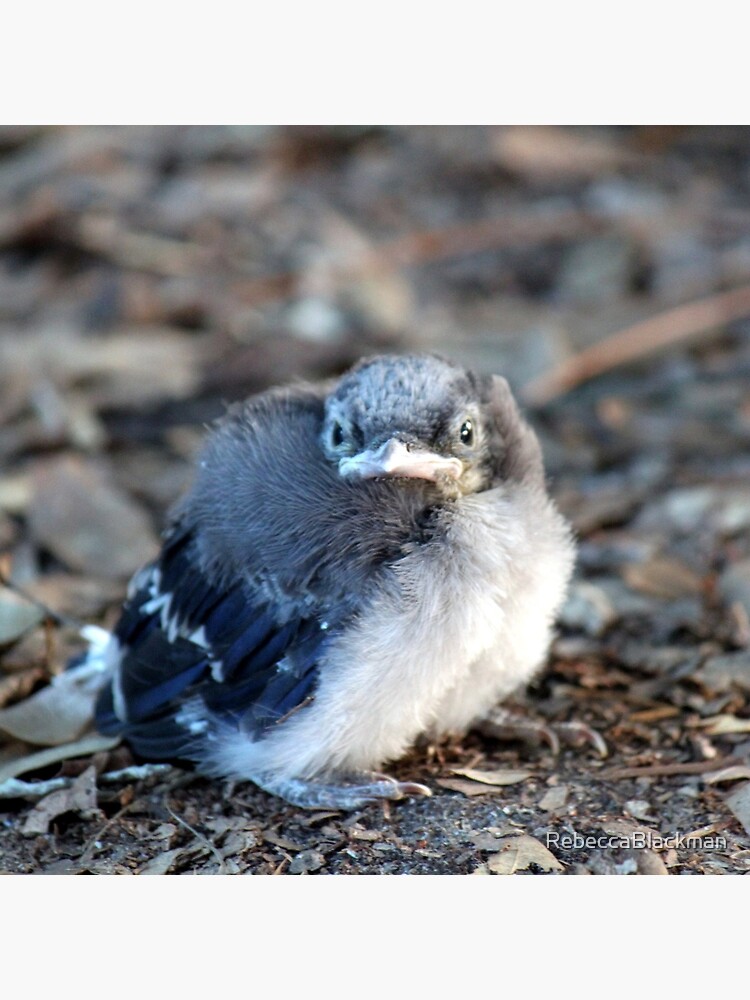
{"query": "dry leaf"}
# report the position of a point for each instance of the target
(489, 838)
(625, 828)
(20, 683)
(735, 773)
(739, 802)
(500, 776)
(162, 863)
(638, 809)
(549, 151)
(80, 797)
(705, 831)
(468, 788)
(663, 576)
(80, 516)
(554, 798)
(81, 597)
(720, 725)
(283, 842)
(127, 367)
(307, 861)
(17, 616)
(722, 673)
(22, 764)
(15, 493)
(650, 863)
(520, 853)
(59, 713)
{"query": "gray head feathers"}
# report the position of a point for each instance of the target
(429, 403)
(271, 502)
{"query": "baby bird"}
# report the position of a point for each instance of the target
(357, 564)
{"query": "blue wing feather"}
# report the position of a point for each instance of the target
(194, 653)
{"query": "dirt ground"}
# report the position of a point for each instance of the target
(149, 276)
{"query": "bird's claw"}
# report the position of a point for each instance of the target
(503, 724)
(578, 733)
(353, 792)
(400, 789)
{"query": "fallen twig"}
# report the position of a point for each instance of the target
(208, 844)
(136, 251)
(88, 850)
(639, 340)
(57, 617)
(664, 770)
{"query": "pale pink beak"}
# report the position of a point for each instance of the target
(393, 459)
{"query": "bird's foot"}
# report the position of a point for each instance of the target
(350, 792)
(504, 724)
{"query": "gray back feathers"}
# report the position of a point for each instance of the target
(271, 510)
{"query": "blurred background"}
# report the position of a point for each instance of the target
(150, 275)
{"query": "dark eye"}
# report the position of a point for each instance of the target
(467, 433)
(337, 435)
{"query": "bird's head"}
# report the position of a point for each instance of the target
(425, 418)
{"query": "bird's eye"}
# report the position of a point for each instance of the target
(467, 433)
(337, 435)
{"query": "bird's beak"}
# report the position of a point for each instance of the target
(394, 459)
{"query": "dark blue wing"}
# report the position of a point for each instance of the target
(193, 653)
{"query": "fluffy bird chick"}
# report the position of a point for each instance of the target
(357, 564)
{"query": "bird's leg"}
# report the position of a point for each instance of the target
(503, 724)
(348, 792)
